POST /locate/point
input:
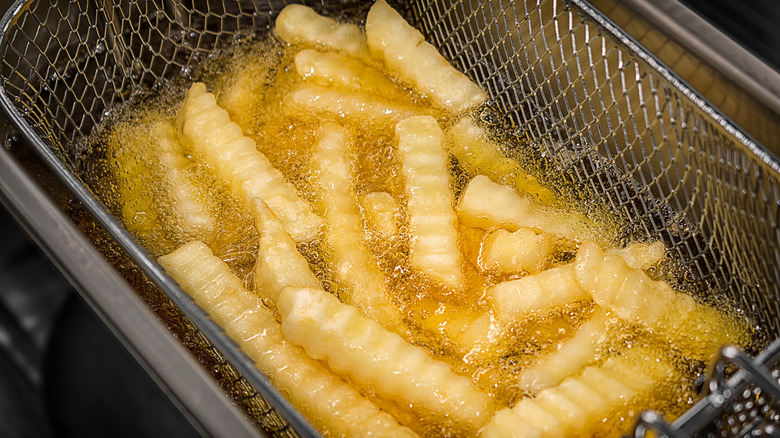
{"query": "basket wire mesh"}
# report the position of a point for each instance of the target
(605, 119)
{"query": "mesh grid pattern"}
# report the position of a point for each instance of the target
(600, 120)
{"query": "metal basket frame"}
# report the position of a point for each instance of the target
(596, 105)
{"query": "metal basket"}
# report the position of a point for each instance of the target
(604, 117)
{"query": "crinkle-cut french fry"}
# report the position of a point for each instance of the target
(331, 405)
(478, 155)
(433, 225)
(241, 90)
(485, 204)
(188, 204)
(279, 264)
(298, 24)
(640, 255)
(373, 357)
(352, 262)
(403, 50)
(380, 211)
(314, 101)
(572, 355)
(697, 330)
(516, 251)
(581, 405)
(515, 300)
(221, 143)
(332, 69)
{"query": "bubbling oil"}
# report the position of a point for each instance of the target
(251, 82)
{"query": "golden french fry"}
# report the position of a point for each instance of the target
(572, 355)
(640, 255)
(331, 405)
(279, 264)
(188, 204)
(298, 24)
(698, 330)
(516, 300)
(373, 357)
(578, 405)
(332, 69)
(485, 204)
(381, 210)
(433, 225)
(316, 102)
(352, 262)
(403, 50)
(511, 252)
(478, 155)
(221, 143)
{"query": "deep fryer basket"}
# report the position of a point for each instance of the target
(600, 115)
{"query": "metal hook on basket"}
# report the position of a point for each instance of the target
(754, 371)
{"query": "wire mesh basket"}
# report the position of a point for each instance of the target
(603, 116)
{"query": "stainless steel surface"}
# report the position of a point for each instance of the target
(605, 118)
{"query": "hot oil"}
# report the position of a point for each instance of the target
(137, 192)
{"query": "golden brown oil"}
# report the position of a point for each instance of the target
(251, 84)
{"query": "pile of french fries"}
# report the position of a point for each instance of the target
(386, 298)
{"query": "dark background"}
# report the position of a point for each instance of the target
(47, 389)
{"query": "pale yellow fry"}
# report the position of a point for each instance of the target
(352, 262)
(332, 69)
(640, 255)
(220, 143)
(478, 155)
(372, 357)
(403, 50)
(516, 300)
(571, 356)
(316, 102)
(298, 24)
(433, 225)
(511, 252)
(331, 406)
(581, 404)
(485, 204)
(696, 329)
(279, 264)
(188, 204)
(381, 211)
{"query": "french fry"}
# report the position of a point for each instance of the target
(221, 143)
(403, 50)
(640, 255)
(328, 403)
(334, 70)
(298, 24)
(279, 264)
(485, 204)
(380, 211)
(188, 204)
(433, 225)
(478, 155)
(372, 357)
(572, 355)
(352, 261)
(316, 102)
(516, 300)
(698, 330)
(511, 252)
(580, 405)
